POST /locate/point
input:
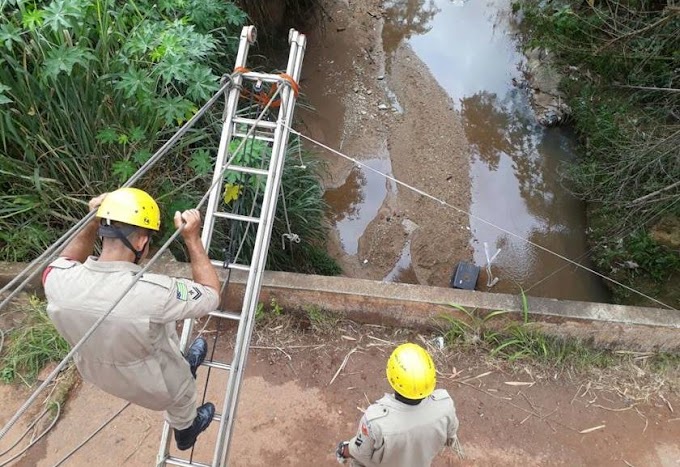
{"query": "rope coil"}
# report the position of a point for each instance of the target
(264, 98)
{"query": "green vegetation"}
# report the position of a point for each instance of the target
(89, 89)
(619, 60)
(321, 320)
(300, 211)
(31, 346)
(514, 341)
(262, 311)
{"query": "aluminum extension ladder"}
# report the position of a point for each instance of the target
(272, 132)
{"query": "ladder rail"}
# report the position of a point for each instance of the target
(246, 40)
(253, 286)
(278, 133)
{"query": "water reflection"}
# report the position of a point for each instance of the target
(357, 202)
(471, 50)
(402, 271)
(405, 19)
(497, 128)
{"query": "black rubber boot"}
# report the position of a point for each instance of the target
(196, 354)
(187, 437)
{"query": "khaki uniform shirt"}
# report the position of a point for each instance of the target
(134, 354)
(395, 434)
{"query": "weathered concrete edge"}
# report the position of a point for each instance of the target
(613, 326)
(610, 326)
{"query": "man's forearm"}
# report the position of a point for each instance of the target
(201, 270)
(82, 244)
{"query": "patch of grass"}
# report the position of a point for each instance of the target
(32, 345)
(472, 330)
(321, 320)
(262, 312)
(663, 362)
(522, 340)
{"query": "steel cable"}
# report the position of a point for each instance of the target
(35, 440)
(136, 277)
(463, 211)
(56, 247)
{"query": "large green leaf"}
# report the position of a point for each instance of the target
(64, 58)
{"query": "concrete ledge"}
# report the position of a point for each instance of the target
(605, 325)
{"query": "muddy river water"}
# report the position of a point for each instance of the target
(471, 51)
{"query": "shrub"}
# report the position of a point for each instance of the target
(89, 89)
(619, 61)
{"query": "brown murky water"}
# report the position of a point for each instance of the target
(471, 49)
(357, 202)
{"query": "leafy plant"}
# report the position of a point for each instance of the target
(262, 312)
(322, 320)
(474, 329)
(300, 211)
(88, 89)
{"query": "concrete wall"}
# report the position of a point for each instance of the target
(605, 325)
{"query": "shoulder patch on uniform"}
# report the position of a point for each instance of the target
(182, 292)
(440, 394)
(195, 292)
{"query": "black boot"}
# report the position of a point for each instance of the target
(196, 354)
(187, 437)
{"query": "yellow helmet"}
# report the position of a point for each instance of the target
(410, 371)
(131, 206)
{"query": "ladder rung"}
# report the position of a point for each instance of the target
(177, 461)
(248, 170)
(236, 217)
(261, 124)
(217, 417)
(226, 314)
(218, 365)
(265, 77)
(237, 266)
(257, 136)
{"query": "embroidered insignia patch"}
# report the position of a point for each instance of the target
(359, 441)
(182, 292)
(195, 293)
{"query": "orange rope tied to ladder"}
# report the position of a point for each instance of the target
(264, 98)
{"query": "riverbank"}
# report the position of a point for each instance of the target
(431, 94)
(619, 79)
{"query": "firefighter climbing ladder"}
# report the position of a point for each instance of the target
(271, 132)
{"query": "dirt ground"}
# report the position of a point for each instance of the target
(291, 414)
(369, 111)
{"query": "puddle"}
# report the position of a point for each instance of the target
(394, 102)
(470, 49)
(403, 269)
(356, 203)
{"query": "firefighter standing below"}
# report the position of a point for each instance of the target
(412, 426)
(134, 354)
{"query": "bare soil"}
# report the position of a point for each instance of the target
(291, 414)
(346, 82)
